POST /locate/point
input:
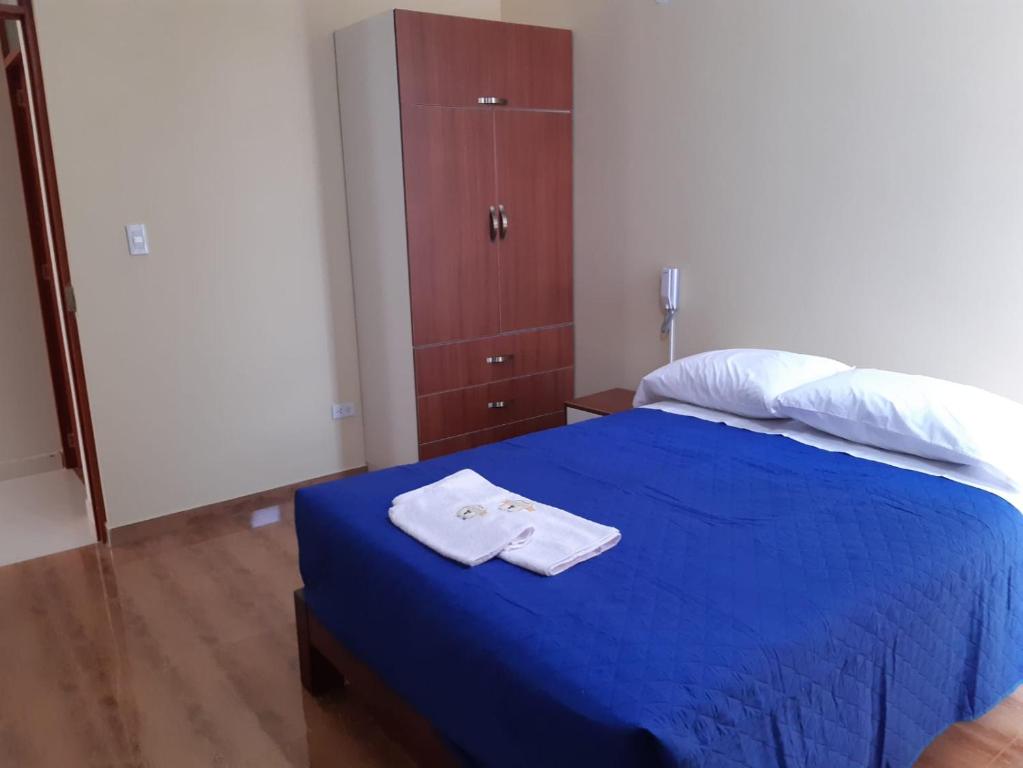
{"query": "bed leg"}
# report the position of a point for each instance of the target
(318, 675)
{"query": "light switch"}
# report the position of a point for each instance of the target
(138, 240)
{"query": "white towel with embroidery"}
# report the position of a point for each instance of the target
(560, 541)
(544, 539)
(460, 517)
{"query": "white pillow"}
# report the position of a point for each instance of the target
(918, 415)
(740, 381)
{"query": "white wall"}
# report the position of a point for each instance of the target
(843, 178)
(28, 415)
(212, 363)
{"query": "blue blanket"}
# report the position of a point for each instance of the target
(770, 603)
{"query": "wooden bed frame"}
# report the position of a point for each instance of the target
(325, 664)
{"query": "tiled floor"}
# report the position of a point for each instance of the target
(42, 514)
(180, 651)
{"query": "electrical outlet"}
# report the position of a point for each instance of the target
(342, 410)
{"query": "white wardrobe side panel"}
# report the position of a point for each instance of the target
(367, 72)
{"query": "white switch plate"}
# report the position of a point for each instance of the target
(138, 239)
(342, 410)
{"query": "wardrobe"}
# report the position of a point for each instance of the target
(457, 143)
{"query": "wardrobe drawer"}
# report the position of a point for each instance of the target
(474, 408)
(466, 364)
(487, 436)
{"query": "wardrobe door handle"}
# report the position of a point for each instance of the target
(498, 359)
(504, 221)
(493, 101)
(494, 224)
(496, 404)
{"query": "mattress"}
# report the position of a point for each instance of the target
(770, 603)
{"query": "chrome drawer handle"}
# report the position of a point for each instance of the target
(493, 101)
(495, 224)
(504, 221)
(498, 403)
(498, 359)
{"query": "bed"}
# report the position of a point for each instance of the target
(771, 603)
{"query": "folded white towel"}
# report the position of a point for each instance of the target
(537, 537)
(561, 540)
(460, 517)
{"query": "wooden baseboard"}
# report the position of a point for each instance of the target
(158, 526)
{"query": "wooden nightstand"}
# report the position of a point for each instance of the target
(600, 404)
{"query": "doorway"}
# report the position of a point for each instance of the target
(50, 489)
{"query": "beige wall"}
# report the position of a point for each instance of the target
(212, 362)
(28, 416)
(841, 178)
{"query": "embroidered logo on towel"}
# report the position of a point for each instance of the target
(471, 511)
(517, 505)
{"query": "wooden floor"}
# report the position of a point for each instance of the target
(180, 651)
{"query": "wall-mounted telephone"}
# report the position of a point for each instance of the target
(669, 296)
(669, 304)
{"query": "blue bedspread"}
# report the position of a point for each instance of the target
(770, 603)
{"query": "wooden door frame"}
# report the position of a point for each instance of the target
(17, 81)
(23, 13)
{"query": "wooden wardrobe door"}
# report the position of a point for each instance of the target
(451, 61)
(534, 176)
(447, 60)
(535, 67)
(449, 189)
